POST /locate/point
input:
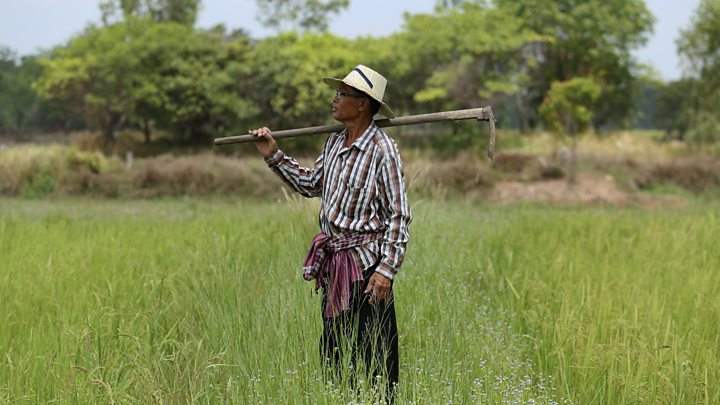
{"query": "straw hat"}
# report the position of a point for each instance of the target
(368, 81)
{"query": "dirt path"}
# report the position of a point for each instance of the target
(588, 189)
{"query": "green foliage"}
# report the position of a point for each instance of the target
(40, 184)
(287, 83)
(204, 82)
(149, 69)
(179, 11)
(37, 171)
(20, 107)
(699, 46)
(569, 106)
(303, 14)
(675, 106)
(443, 4)
(459, 57)
(9, 87)
(589, 39)
(94, 74)
(647, 89)
(139, 72)
(706, 127)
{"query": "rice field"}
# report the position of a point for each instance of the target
(198, 301)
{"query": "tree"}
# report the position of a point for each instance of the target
(456, 58)
(568, 106)
(20, 107)
(287, 85)
(289, 68)
(589, 38)
(675, 106)
(699, 46)
(302, 14)
(444, 4)
(208, 85)
(146, 74)
(180, 11)
(7, 88)
(94, 75)
(568, 110)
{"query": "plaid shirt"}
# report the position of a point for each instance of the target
(362, 190)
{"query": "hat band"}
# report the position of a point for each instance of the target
(364, 77)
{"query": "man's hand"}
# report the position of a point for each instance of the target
(379, 288)
(265, 143)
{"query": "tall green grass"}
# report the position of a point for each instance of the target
(185, 301)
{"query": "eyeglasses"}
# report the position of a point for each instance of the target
(340, 93)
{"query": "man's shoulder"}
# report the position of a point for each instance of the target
(334, 136)
(384, 143)
(333, 139)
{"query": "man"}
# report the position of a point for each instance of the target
(364, 219)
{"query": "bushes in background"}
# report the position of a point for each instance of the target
(635, 162)
(37, 171)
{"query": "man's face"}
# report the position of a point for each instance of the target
(347, 103)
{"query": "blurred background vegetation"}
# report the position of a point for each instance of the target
(146, 80)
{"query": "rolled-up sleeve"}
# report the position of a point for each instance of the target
(396, 212)
(306, 181)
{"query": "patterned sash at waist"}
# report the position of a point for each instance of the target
(330, 263)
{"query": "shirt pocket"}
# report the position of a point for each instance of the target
(359, 189)
(359, 175)
(356, 200)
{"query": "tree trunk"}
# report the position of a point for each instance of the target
(114, 122)
(147, 131)
(523, 123)
(108, 132)
(571, 130)
(572, 173)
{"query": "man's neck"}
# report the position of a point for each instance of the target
(355, 129)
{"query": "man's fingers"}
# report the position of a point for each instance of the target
(369, 288)
(260, 132)
(378, 289)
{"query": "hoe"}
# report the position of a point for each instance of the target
(480, 114)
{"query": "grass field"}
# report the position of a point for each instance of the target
(188, 301)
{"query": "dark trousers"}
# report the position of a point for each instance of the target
(367, 331)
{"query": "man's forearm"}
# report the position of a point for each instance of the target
(393, 251)
(307, 182)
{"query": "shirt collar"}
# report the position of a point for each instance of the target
(364, 140)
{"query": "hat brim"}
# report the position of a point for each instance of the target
(336, 83)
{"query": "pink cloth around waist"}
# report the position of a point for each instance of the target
(332, 266)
